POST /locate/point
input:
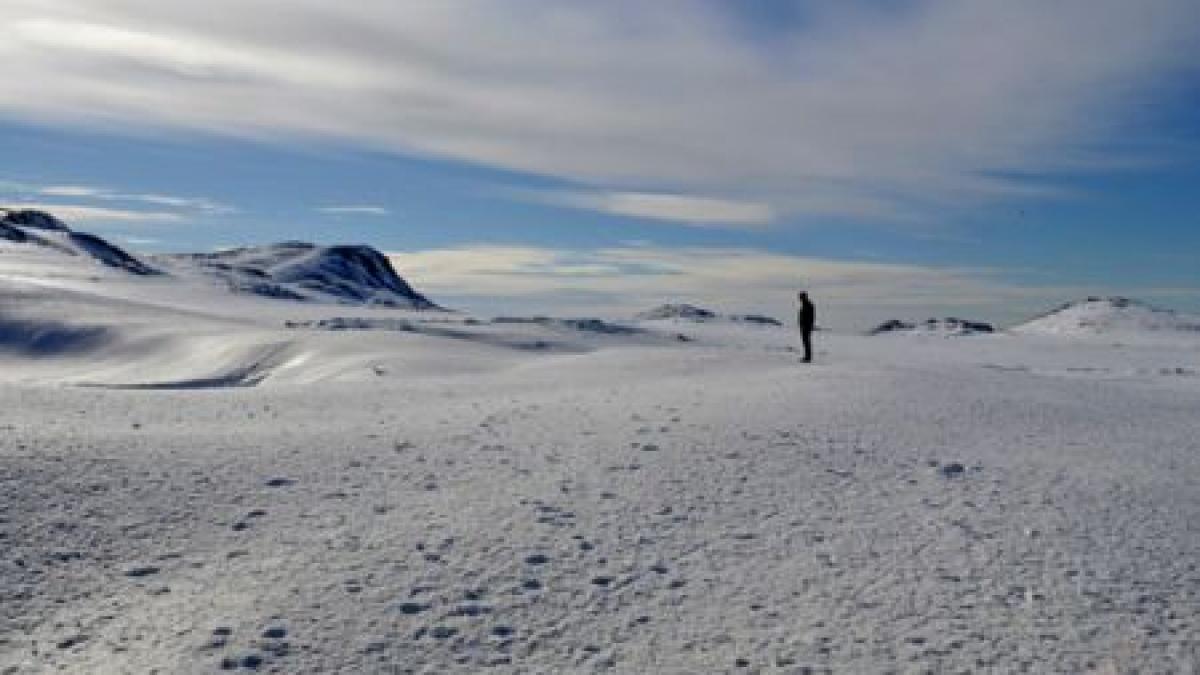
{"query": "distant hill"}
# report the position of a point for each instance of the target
(1105, 316)
(304, 271)
(687, 312)
(949, 326)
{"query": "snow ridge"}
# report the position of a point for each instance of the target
(27, 226)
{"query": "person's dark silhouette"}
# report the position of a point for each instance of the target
(806, 318)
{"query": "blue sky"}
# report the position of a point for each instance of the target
(898, 158)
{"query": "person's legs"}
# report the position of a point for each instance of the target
(806, 338)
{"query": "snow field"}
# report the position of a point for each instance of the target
(693, 509)
(197, 482)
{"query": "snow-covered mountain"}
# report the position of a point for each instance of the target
(1110, 316)
(304, 271)
(357, 275)
(949, 326)
(687, 312)
(27, 226)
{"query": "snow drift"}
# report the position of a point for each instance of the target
(38, 339)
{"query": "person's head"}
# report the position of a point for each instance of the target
(802, 296)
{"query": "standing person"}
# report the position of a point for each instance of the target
(806, 318)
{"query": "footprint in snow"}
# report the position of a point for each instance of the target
(470, 609)
(68, 642)
(953, 469)
(142, 571)
(249, 662)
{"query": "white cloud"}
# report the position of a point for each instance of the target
(76, 213)
(885, 113)
(359, 210)
(72, 191)
(192, 203)
(697, 211)
(94, 193)
(619, 281)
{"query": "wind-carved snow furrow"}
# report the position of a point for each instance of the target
(253, 370)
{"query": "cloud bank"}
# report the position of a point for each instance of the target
(621, 280)
(894, 112)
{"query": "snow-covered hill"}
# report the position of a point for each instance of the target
(1111, 316)
(358, 275)
(304, 271)
(36, 228)
(949, 327)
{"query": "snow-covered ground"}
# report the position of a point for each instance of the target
(192, 480)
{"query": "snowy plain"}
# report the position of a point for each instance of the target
(193, 481)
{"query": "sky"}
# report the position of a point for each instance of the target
(897, 159)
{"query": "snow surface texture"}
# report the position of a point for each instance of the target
(192, 481)
(948, 327)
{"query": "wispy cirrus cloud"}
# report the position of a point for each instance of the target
(90, 192)
(71, 191)
(354, 210)
(678, 208)
(135, 240)
(78, 213)
(897, 111)
(96, 204)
